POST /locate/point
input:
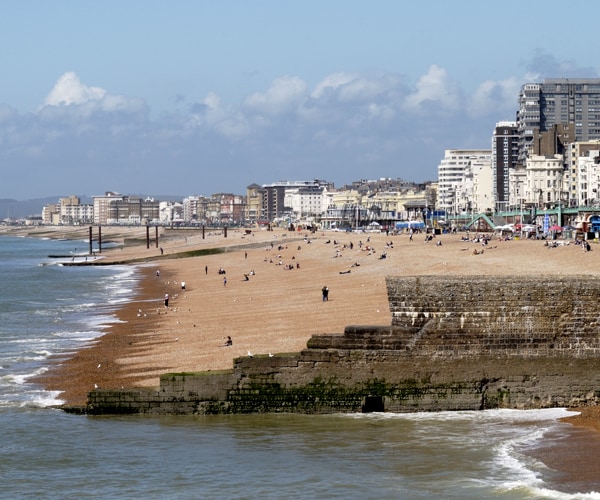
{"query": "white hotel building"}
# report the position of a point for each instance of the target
(455, 167)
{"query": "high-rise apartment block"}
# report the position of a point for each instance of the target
(558, 101)
(505, 156)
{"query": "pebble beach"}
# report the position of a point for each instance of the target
(269, 298)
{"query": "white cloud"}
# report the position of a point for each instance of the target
(494, 98)
(210, 115)
(348, 124)
(350, 87)
(70, 98)
(435, 87)
(283, 96)
(332, 83)
(69, 90)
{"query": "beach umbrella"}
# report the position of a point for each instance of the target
(555, 228)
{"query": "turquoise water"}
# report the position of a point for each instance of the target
(48, 309)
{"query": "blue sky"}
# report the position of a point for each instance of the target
(198, 97)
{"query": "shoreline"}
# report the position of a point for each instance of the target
(96, 363)
(190, 334)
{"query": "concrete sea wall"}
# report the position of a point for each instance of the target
(455, 343)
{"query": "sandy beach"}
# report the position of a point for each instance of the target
(279, 306)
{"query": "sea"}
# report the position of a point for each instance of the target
(48, 309)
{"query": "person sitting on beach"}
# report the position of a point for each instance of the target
(228, 342)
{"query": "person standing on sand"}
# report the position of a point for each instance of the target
(205, 269)
(325, 292)
(166, 300)
(224, 281)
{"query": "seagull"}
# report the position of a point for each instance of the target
(270, 355)
(99, 365)
(250, 354)
(95, 386)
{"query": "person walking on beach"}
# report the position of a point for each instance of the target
(325, 292)
(224, 281)
(166, 300)
(205, 269)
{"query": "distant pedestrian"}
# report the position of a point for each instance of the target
(157, 272)
(183, 285)
(166, 300)
(224, 281)
(161, 250)
(245, 255)
(325, 292)
(205, 269)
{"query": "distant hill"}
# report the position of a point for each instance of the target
(14, 209)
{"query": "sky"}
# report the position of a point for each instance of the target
(199, 97)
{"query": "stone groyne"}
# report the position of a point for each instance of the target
(455, 343)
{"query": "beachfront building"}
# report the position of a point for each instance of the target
(232, 208)
(517, 182)
(456, 164)
(113, 208)
(254, 203)
(361, 204)
(558, 101)
(578, 165)
(484, 195)
(588, 179)
(274, 197)
(51, 214)
(68, 211)
(544, 181)
(191, 209)
(505, 155)
(170, 213)
(304, 204)
(73, 212)
(102, 204)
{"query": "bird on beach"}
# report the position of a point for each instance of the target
(99, 365)
(270, 355)
(250, 355)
